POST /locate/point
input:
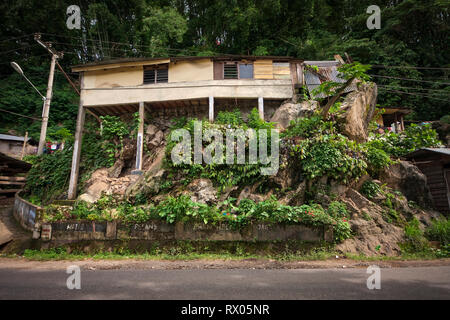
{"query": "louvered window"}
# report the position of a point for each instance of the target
(156, 74)
(230, 71)
(236, 70)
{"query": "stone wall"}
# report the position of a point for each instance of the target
(159, 230)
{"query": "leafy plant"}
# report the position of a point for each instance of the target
(439, 231)
(233, 118)
(370, 189)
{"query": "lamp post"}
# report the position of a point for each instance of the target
(47, 99)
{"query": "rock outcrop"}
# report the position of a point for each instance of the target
(407, 178)
(202, 191)
(373, 235)
(359, 108)
(289, 111)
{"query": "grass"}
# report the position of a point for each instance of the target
(56, 254)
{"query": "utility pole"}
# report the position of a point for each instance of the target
(48, 98)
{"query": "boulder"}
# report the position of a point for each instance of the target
(116, 169)
(149, 182)
(128, 150)
(156, 141)
(407, 178)
(96, 185)
(202, 191)
(359, 108)
(150, 131)
(290, 111)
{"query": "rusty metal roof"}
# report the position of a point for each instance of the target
(327, 72)
(423, 151)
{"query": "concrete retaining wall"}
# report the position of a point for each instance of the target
(159, 230)
(26, 213)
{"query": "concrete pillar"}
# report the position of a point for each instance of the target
(73, 182)
(261, 107)
(140, 139)
(211, 109)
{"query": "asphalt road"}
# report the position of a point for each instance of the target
(239, 284)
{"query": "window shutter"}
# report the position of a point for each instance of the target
(218, 70)
(230, 71)
(162, 75)
(149, 76)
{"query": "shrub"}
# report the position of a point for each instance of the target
(233, 118)
(413, 138)
(414, 236)
(338, 210)
(334, 156)
(377, 160)
(308, 127)
(439, 231)
(445, 119)
(342, 231)
(370, 189)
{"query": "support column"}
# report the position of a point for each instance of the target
(261, 107)
(211, 109)
(72, 194)
(140, 140)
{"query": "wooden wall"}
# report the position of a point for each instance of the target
(434, 170)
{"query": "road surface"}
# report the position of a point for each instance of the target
(236, 284)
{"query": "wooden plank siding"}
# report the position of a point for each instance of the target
(218, 70)
(434, 172)
(263, 69)
(281, 70)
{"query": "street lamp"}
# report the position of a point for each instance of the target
(20, 71)
(47, 99)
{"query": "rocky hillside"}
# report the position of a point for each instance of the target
(335, 169)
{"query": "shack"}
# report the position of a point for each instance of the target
(435, 164)
(15, 146)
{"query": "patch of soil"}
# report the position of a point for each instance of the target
(133, 264)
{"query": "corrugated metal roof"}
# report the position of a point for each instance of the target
(12, 138)
(445, 151)
(327, 72)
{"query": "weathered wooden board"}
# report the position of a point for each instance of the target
(263, 69)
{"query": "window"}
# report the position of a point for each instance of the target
(230, 70)
(235, 70)
(245, 71)
(156, 74)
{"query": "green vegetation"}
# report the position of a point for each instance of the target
(48, 179)
(222, 174)
(332, 155)
(439, 231)
(182, 208)
(400, 144)
(370, 189)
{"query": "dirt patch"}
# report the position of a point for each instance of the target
(133, 264)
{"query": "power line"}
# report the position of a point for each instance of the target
(20, 115)
(16, 38)
(128, 44)
(20, 48)
(407, 79)
(443, 91)
(408, 67)
(414, 94)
